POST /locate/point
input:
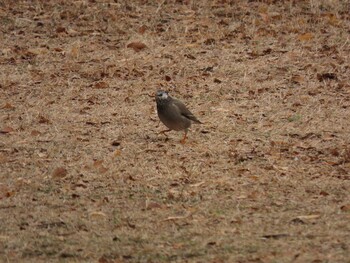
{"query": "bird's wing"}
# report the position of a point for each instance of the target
(184, 111)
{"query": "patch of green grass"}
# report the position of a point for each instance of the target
(295, 117)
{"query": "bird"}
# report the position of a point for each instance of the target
(174, 114)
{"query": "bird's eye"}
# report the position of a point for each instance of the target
(162, 95)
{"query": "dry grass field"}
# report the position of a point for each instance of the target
(85, 175)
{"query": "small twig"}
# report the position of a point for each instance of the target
(160, 5)
(171, 218)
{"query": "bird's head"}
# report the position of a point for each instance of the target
(162, 96)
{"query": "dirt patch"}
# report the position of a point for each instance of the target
(86, 176)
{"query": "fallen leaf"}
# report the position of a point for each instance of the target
(253, 195)
(74, 195)
(59, 173)
(211, 243)
(263, 9)
(103, 260)
(332, 19)
(254, 177)
(136, 46)
(116, 143)
(97, 215)
(345, 208)
(102, 169)
(152, 205)
(101, 85)
(27, 55)
(74, 51)
(35, 133)
(61, 29)
(334, 151)
(297, 79)
(91, 123)
(8, 106)
(323, 193)
(3, 158)
(275, 15)
(6, 129)
(209, 41)
(43, 119)
(5, 191)
(325, 76)
(98, 163)
(117, 153)
(38, 50)
(142, 29)
(178, 245)
(10, 193)
(313, 92)
(306, 37)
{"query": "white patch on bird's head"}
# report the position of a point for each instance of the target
(162, 95)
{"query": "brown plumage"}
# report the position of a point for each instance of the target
(174, 114)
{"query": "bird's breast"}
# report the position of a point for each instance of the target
(172, 118)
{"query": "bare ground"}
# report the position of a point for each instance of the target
(85, 175)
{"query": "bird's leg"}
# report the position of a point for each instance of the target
(184, 138)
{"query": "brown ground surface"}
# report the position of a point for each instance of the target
(85, 176)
